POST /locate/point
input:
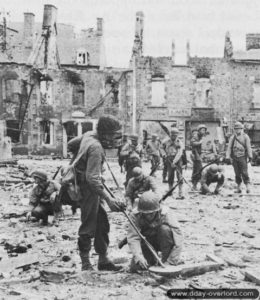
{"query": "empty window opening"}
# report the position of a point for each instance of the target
(158, 92)
(47, 132)
(12, 130)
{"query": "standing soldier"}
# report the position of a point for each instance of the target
(196, 149)
(239, 149)
(173, 150)
(94, 220)
(133, 160)
(123, 151)
(165, 166)
(153, 150)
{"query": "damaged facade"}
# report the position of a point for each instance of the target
(54, 85)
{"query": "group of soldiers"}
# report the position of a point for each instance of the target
(142, 200)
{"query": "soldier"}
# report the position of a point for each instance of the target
(123, 151)
(165, 166)
(173, 151)
(43, 198)
(211, 174)
(137, 186)
(196, 148)
(239, 149)
(133, 160)
(94, 220)
(159, 227)
(153, 150)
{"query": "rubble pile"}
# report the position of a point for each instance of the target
(220, 231)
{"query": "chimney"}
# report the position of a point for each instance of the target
(173, 52)
(28, 30)
(139, 24)
(188, 51)
(49, 16)
(100, 24)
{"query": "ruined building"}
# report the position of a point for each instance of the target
(214, 91)
(54, 84)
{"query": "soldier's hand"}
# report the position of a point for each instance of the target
(141, 262)
(53, 197)
(173, 165)
(115, 205)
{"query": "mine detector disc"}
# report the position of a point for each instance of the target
(167, 270)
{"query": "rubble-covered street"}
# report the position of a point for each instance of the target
(39, 262)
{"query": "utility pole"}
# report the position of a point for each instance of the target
(134, 96)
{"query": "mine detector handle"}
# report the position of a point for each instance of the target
(170, 191)
(56, 173)
(149, 246)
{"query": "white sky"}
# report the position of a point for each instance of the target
(203, 22)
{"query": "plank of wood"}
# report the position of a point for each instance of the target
(23, 260)
(216, 259)
(252, 276)
(186, 270)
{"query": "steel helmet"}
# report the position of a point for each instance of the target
(40, 174)
(201, 126)
(136, 172)
(174, 130)
(133, 137)
(148, 203)
(215, 168)
(238, 125)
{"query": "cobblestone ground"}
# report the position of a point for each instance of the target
(227, 225)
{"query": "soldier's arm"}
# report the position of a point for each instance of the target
(153, 185)
(228, 153)
(178, 154)
(129, 194)
(248, 147)
(133, 239)
(33, 197)
(203, 181)
(195, 142)
(93, 171)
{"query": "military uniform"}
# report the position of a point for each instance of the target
(239, 150)
(165, 236)
(173, 152)
(153, 150)
(40, 197)
(211, 174)
(135, 188)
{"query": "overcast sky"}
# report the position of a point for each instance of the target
(203, 22)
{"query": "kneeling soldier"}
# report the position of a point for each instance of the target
(159, 227)
(43, 198)
(212, 173)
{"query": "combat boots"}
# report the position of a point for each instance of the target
(105, 264)
(238, 189)
(248, 188)
(86, 264)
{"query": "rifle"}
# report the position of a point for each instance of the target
(170, 191)
(149, 246)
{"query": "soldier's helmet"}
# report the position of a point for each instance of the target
(148, 203)
(137, 171)
(133, 137)
(201, 126)
(174, 131)
(40, 174)
(238, 125)
(215, 168)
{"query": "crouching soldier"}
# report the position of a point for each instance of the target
(137, 186)
(43, 198)
(211, 174)
(160, 229)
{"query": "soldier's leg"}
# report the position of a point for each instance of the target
(196, 174)
(238, 177)
(151, 260)
(169, 245)
(244, 172)
(41, 212)
(171, 174)
(165, 170)
(179, 177)
(101, 241)
(220, 182)
(89, 210)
